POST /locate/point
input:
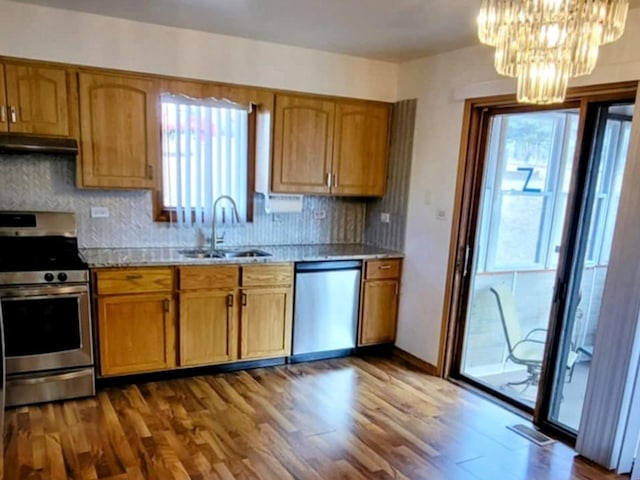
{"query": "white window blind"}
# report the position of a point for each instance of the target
(204, 155)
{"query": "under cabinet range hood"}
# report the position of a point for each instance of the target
(12, 143)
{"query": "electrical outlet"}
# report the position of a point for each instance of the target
(319, 214)
(441, 214)
(99, 212)
(385, 217)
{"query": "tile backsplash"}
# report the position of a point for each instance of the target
(47, 182)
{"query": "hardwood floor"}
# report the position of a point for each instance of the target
(352, 418)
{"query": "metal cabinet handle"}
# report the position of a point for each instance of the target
(244, 299)
(13, 116)
(3, 113)
(335, 179)
(150, 172)
(397, 288)
(166, 305)
(384, 267)
(134, 276)
(328, 180)
(230, 300)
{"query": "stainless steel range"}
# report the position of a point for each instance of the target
(44, 301)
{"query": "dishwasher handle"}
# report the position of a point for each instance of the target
(329, 266)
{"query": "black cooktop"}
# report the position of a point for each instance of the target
(26, 254)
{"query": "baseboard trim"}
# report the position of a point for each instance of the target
(416, 362)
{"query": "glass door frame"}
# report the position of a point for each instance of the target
(477, 116)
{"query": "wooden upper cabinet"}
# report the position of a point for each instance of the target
(39, 99)
(360, 149)
(4, 119)
(329, 147)
(302, 144)
(120, 134)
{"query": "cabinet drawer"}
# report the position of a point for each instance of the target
(375, 269)
(199, 278)
(137, 280)
(267, 275)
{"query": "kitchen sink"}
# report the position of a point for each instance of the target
(202, 253)
(241, 253)
(199, 253)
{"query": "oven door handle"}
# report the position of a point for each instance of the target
(8, 294)
(48, 378)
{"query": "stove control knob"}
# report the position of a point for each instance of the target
(48, 277)
(62, 276)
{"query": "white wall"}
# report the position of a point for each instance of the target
(441, 83)
(37, 32)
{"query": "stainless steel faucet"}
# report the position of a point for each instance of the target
(215, 240)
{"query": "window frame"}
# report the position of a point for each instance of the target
(493, 196)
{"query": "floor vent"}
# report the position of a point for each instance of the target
(531, 434)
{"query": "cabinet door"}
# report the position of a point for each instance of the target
(38, 100)
(120, 132)
(137, 333)
(4, 120)
(302, 145)
(265, 323)
(360, 149)
(208, 327)
(379, 312)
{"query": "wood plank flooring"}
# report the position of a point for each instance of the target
(352, 418)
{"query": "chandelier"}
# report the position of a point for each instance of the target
(543, 43)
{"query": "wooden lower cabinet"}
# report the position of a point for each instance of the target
(137, 333)
(208, 327)
(379, 304)
(379, 312)
(265, 322)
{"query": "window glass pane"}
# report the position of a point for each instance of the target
(528, 150)
(518, 234)
(204, 153)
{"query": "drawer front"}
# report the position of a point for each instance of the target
(134, 280)
(267, 275)
(201, 278)
(376, 269)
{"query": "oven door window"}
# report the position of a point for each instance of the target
(41, 326)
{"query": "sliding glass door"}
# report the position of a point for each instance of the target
(563, 396)
(533, 257)
(529, 158)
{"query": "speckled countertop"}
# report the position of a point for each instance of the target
(131, 257)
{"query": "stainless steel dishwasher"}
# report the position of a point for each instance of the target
(326, 305)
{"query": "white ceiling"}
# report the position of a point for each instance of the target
(392, 30)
